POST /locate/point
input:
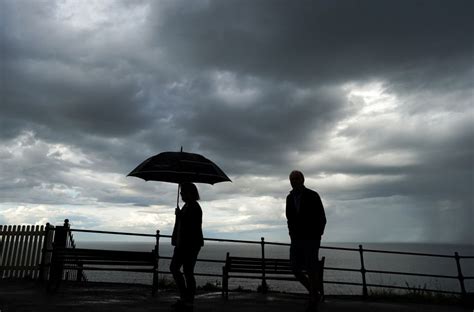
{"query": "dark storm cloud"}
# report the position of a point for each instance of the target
(320, 41)
(278, 122)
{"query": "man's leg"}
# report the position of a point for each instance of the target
(313, 274)
(297, 260)
(303, 279)
(314, 286)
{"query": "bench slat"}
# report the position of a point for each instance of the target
(109, 262)
(94, 253)
(150, 270)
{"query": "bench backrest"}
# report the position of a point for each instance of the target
(241, 264)
(81, 255)
(256, 265)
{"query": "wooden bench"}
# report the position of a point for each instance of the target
(80, 259)
(255, 268)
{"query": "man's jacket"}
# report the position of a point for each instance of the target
(307, 222)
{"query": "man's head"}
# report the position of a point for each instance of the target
(296, 179)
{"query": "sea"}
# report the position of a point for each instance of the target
(334, 260)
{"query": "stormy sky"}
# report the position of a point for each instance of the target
(372, 100)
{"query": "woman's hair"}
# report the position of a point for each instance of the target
(191, 190)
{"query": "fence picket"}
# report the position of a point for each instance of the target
(22, 251)
(34, 260)
(14, 258)
(13, 252)
(6, 249)
(27, 250)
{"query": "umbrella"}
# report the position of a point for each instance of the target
(179, 167)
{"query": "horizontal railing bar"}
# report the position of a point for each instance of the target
(342, 283)
(232, 241)
(411, 274)
(339, 248)
(115, 233)
(407, 253)
(322, 247)
(341, 269)
(275, 243)
(200, 260)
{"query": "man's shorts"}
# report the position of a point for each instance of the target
(304, 255)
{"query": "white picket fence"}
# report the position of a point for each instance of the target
(21, 249)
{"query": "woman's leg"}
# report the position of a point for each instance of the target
(188, 268)
(175, 268)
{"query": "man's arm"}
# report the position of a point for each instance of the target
(289, 217)
(321, 215)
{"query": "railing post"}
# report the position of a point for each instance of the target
(363, 271)
(460, 276)
(264, 280)
(67, 243)
(157, 261)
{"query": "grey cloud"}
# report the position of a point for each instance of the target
(319, 40)
(278, 122)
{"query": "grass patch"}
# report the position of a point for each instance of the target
(210, 286)
(414, 294)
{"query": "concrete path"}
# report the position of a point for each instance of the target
(102, 297)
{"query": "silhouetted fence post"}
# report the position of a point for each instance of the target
(264, 279)
(157, 261)
(460, 276)
(46, 252)
(363, 271)
(60, 241)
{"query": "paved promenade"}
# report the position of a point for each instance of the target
(101, 297)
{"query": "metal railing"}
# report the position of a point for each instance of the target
(68, 241)
(361, 251)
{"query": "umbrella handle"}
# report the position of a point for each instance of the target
(177, 197)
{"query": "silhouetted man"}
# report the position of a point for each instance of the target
(306, 223)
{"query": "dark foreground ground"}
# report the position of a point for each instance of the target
(102, 297)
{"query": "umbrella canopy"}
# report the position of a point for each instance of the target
(179, 167)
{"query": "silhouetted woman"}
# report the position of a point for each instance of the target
(188, 240)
